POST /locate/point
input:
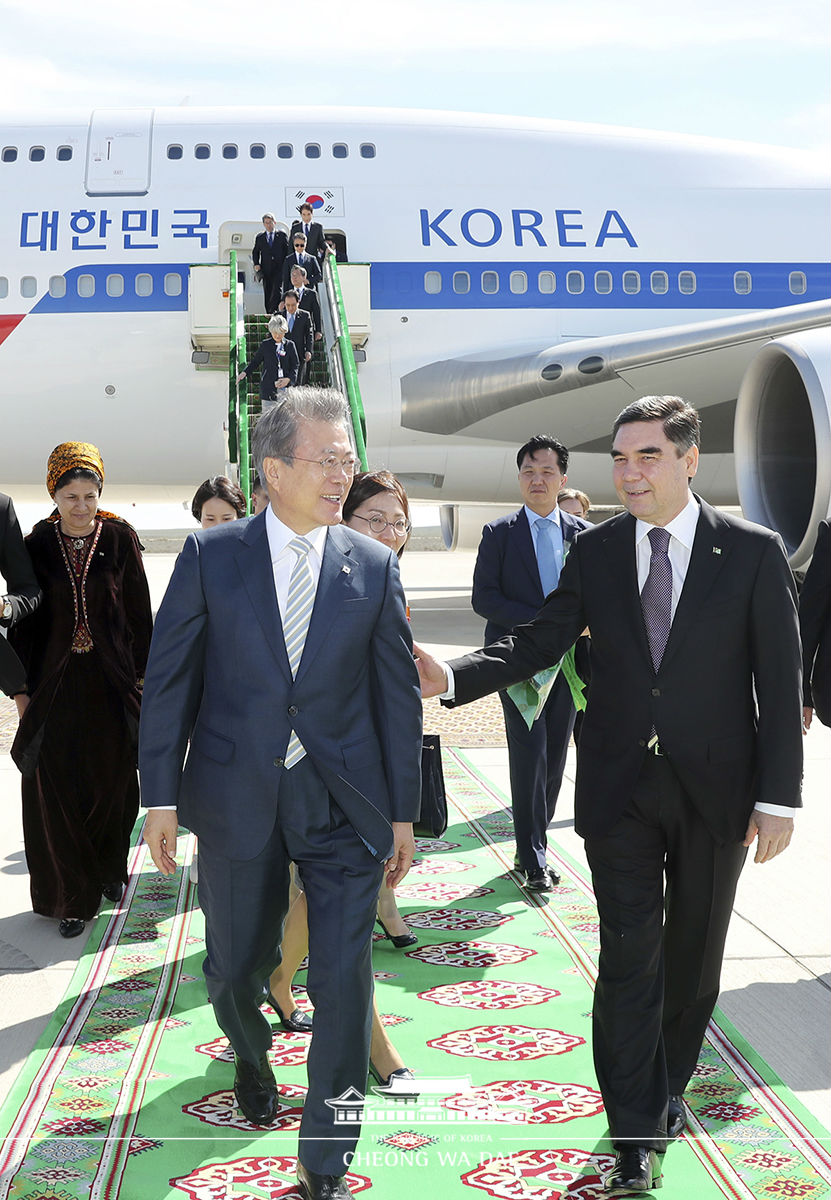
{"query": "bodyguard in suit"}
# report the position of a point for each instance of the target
(270, 249)
(307, 299)
(282, 651)
(312, 231)
(691, 750)
(300, 332)
(519, 562)
(815, 628)
(297, 257)
(20, 599)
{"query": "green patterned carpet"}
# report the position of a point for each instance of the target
(129, 1095)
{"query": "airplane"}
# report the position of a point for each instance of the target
(513, 276)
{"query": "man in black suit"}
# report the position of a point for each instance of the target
(307, 300)
(519, 562)
(313, 231)
(270, 249)
(815, 628)
(691, 750)
(298, 257)
(22, 596)
(300, 332)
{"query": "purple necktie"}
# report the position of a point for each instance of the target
(656, 597)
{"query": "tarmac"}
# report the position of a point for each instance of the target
(776, 983)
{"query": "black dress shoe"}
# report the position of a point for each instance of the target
(321, 1187)
(399, 940)
(636, 1170)
(256, 1090)
(297, 1021)
(543, 880)
(70, 927)
(676, 1117)
(113, 891)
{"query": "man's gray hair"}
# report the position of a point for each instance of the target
(274, 219)
(275, 434)
(680, 420)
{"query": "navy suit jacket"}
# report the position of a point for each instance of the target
(726, 702)
(312, 267)
(266, 359)
(218, 675)
(815, 627)
(506, 579)
(315, 238)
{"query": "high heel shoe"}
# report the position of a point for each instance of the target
(297, 1022)
(399, 940)
(395, 1084)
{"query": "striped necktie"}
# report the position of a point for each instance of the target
(299, 607)
(656, 597)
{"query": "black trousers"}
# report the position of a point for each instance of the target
(665, 891)
(245, 905)
(537, 760)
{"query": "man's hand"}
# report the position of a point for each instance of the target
(431, 673)
(161, 826)
(807, 717)
(403, 851)
(774, 835)
(21, 701)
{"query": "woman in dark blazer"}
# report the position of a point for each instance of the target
(277, 358)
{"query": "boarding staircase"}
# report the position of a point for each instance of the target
(333, 365)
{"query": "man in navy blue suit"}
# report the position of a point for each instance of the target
(518, 564)
(282, 653)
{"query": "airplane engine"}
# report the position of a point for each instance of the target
(782, 439)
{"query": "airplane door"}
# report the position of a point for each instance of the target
(118, 152)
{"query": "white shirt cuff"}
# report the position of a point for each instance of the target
(450, 694)
(161, 808)
(776, 810)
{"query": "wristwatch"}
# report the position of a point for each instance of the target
(7, 608)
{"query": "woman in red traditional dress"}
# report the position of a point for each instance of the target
(84, 651)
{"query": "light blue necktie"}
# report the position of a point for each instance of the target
(299, 605)
(291, 324)
(548, 554)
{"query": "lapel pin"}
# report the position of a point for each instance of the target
(716, 549)
(346, 570)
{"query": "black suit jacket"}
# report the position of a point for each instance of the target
(22, 589)
(315, 238)
(815, 627)
(270, 258)
(726, 702)
(271, 364)
(506, 579)
(312, 266)
(310, 304)
(301, 334)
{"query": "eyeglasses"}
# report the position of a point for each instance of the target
(331, 463)
(377, 524)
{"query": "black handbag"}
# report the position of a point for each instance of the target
(432, 819)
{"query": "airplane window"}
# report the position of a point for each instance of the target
(797, 283)
(202, 151)
(257, 150)
(340, 150)
(742, 283)
(63, 153)
(659, 282)
(173, 284)
(86, 286)
(174, 152)
(519, 282)
(490, 282)
(461, 282)
(602, 282)
(631, 282)
(367, 150)
(144, 285)
(9, 154)
(284, 150)
(686, 282)
(4, 287)
(230, 151)
(28, 286)
(57, 286)
(312, 150)
(575, 282)
(115, 285)
(546, 281)
(36, 154)
(432, 282)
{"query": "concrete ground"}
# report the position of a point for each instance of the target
(777, 974)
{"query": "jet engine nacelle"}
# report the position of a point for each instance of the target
(782, 439)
